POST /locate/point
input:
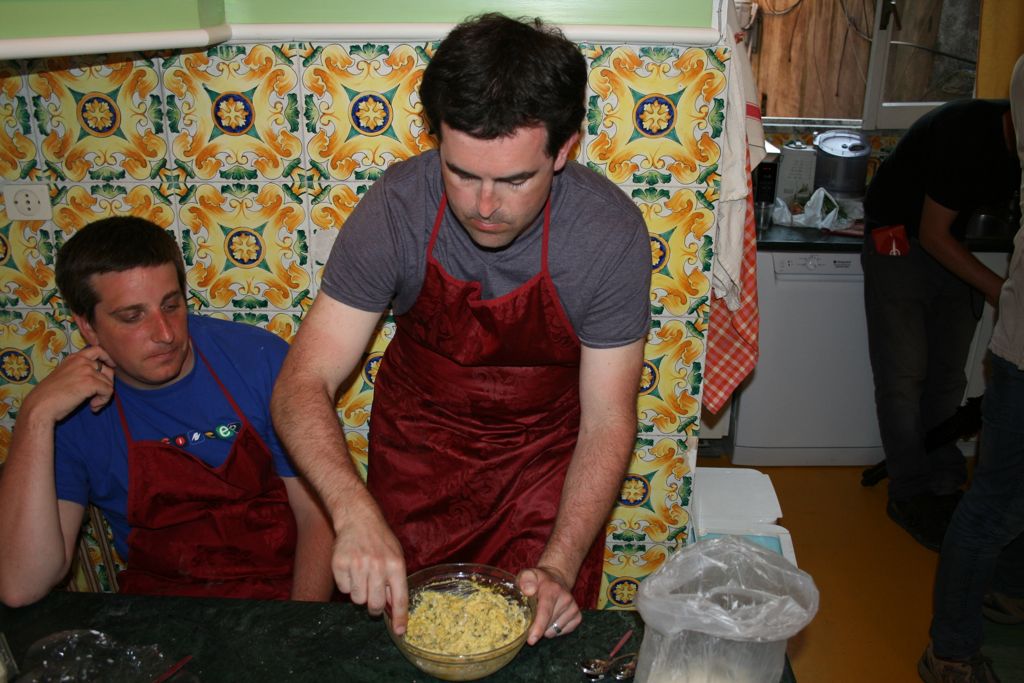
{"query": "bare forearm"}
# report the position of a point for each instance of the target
(589, 493)
(956, 258)
(37, 531)
(308, 425)
(312, 579)
(34, 554)
(936, 237)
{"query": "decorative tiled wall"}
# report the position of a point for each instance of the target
(253, 156)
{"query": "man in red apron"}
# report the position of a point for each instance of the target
(504, 409)
(213, 511)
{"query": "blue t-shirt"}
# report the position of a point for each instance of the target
(91, 459)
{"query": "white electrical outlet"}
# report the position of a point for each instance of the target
(27, 202)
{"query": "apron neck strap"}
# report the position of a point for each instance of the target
(224, 390)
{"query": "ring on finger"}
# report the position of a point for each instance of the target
(99, 366)
(556, 628)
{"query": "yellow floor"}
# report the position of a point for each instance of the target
(875, 581)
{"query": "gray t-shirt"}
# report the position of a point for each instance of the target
(599, 251)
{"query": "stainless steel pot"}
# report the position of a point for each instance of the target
(842, 162)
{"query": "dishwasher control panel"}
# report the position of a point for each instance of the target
(802, 263)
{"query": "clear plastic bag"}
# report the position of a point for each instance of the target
(720, 611)
(822, 211)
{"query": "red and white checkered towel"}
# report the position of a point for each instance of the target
(732, 335)
(732, 329)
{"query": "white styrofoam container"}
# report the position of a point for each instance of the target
(725, 494)
(739, 502)
(770, 536)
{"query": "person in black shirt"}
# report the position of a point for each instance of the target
(923, 293)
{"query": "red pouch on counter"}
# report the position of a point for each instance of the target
(891, 240)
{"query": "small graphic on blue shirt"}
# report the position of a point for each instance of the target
(224, 432)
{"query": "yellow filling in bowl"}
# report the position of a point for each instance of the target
(468, 621)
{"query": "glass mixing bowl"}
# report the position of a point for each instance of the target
(454, 578)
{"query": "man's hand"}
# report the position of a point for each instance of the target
(936, 237)
(87, 375)
(557, 611)
(368, 564)
(38, 531)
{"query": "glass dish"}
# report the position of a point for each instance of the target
(453, 578)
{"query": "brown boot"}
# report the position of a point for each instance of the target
(977, 669)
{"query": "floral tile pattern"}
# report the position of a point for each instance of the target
(97, 120)
(26, 274)
(655, 492)
(671, 377)
(625, 567)
(656, 109)
(17, 148)
(364, 107)
(679, 222)
(233, 111)
(245, 247)
(651, 519)
(284, 325)
(254, 155)
(358, 443)
(31, 346)
(77, 206)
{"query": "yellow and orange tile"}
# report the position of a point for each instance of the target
(656, 110)
(233, 112)
(679, 222)
(655, 493)
(26, 272)
(671, 377)
(245, 247)
(626, 566)
(17, 146)
(358, 443)
(97, 119)
(32, 344)
(79, 206)
(364, 107)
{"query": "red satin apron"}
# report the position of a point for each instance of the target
(475, 417)
(201, 531)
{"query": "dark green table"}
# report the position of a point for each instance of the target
(243, 640)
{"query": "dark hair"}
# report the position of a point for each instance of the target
(492, 75)
(111, 245)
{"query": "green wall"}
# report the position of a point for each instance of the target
(615, 12)
(37, 18)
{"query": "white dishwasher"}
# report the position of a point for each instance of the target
(810, 400)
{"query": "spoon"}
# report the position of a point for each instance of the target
(625, 670)
(620, 668)
(598, 667)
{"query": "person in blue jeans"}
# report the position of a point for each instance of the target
(924, 291)
(981, 564)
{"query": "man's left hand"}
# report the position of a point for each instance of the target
(557, 611)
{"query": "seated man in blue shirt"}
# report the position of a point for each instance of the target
(163, 423)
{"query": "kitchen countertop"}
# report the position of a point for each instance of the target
(785, 238)
(232, 640)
